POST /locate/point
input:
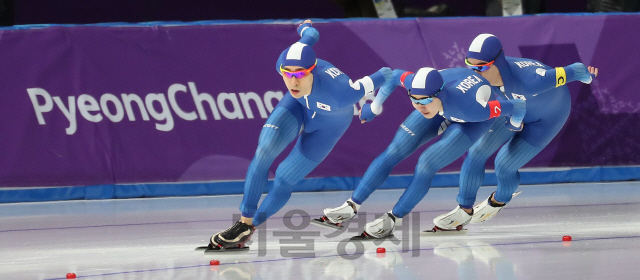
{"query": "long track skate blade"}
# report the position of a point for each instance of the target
(201, 248)
(433, 232)
(320, 222)
(515, 193)
(225, 251)
(369, 238)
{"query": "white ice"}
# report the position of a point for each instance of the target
(154, 238)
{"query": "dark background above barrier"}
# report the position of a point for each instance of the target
(82, 11)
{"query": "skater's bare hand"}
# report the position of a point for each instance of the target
(306, 21)
(593, 70)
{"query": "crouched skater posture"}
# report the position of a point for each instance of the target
(320, 101)
(548, 106)
(458, 101)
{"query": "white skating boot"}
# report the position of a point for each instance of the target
(486, 211)
(335, 217)
(382, 227)
(452, 221)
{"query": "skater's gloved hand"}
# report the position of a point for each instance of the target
(366, 115)
(369, 111)
(305, 29)
(581, 73)
(512, 127)
(519, 110)
(397, 73)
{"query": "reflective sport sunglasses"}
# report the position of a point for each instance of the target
(425, 100)
(298, 74)
(481, 67)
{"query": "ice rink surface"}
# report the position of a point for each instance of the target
(155, 238)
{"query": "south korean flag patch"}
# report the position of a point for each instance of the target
(323, 106)
(518, 96)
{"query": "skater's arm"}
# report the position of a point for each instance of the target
(309, 35)
(365, 86)
(515, 108)
(539, 79)
(483, 109)
(369, 111)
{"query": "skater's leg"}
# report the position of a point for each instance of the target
(515, 154)
(458, 138)
(414, 132)
(291, 171)
(313, 146)
(282, 126)
(523, 147)
(473, 168)
(437, 156)
(455, 141)
(433, 159)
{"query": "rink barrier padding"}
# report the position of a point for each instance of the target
(528, 177)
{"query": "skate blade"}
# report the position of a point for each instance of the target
(225, 250)
(515, 193)
(437, 230)
(443, 232)
(371, 238)
(201, 248)
(320, 222)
